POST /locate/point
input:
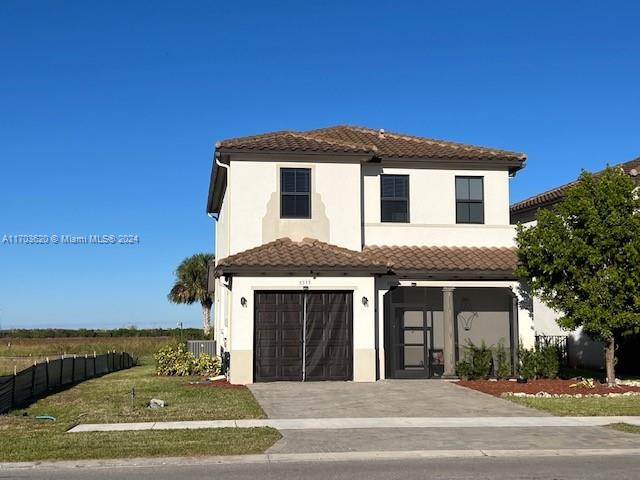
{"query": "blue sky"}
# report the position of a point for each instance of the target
(109, 110)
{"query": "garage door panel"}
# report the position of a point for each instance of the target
(278, 348)
(329, 336)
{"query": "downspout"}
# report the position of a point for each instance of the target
(228, 235)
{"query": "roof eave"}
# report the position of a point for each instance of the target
(263, 151)
(217, 184)
(425, 274)
(297, 270)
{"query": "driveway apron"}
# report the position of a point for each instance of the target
(386, 398)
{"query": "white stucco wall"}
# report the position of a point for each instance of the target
(222, 231)
(255, 201)
(241, 345)
(432, 205)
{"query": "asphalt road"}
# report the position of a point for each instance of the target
(538, 468)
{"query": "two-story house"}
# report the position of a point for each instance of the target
(347, 253)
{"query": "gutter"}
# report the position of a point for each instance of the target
(228, 240)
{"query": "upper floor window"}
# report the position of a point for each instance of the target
(295, 196)
(394, 197)
(469, 200)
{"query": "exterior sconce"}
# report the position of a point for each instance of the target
(243, 302)
(365, 301)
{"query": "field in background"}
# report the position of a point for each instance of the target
(20, 348)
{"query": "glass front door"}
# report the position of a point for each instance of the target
(412, 340)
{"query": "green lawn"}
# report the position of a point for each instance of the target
(107, 399)
(625, 427)
(590, 406)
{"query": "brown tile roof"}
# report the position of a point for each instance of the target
(556, 194)
(310, 255)
(445, 259)
(350, 139)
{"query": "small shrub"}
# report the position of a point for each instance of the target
(205, 364)
(584, 383)
(478, 361)
(542, 362)
(176, 360)
(503, 366)
(482, 360)
(528, 363)
(549, 361)
(464, 369)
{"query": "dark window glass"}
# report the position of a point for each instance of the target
(295, 197)
(469, 200)
(394, 196)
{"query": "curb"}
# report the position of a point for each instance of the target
(312, 457)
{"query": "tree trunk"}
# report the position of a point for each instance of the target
(206, 316)
(610, 361)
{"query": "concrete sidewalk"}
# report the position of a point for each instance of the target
(366, 423)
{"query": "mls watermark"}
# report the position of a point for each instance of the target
(64, 239)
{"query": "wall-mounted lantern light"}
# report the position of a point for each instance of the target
(243, 302)
(365, 301)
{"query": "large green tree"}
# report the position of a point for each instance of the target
(582, 258)
(191, 285)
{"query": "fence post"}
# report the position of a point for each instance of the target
(13, 387)
(47, 374)
(61, 360)
(73, 369)
(33, 379)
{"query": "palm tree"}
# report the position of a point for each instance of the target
(191, 285)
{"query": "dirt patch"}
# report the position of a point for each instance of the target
(215, 384)
(556, 386)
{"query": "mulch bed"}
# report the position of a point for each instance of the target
(216, 384)
(555, 386)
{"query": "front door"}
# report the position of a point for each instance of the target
(411, 336)
(411, 343)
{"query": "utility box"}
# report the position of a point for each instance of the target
(202, 346)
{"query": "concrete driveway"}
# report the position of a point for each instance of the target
(386, 398)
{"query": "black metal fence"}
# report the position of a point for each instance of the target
(23, 387)
(558, 341)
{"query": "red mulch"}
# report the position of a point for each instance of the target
(556, 386)
(216, 384)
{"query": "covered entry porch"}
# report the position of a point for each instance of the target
(425, 328)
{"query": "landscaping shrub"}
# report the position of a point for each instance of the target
(464, 370)
(503, 365)
(542, 362)
(528, 363)
(176, 360)
(549, 361)
(477, 363)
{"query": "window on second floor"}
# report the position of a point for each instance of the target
(469, 200)
(394, 197)
(295, 193)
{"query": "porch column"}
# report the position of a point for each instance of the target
(515, 335)
(449, 333)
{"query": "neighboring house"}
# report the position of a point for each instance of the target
(347, 253)
(582, 351)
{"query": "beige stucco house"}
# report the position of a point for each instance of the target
(348, 253)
